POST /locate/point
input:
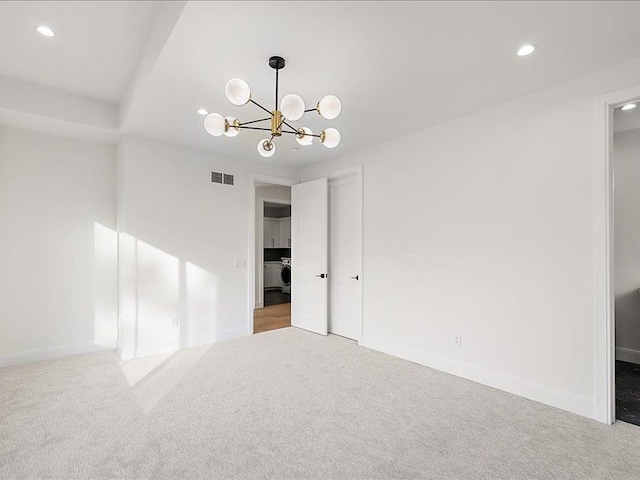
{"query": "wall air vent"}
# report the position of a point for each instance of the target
(216, 177)
(223, 178)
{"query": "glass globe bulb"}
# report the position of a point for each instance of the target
(304, 138)
(329, 107)
(237, 91)
(266, 147)
(214, 124)
(292, 107)
(232, 131)
(330, 138)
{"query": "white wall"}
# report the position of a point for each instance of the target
(58, 246)
(180, 238)
(279, 192)
(485, 226)
(626, 157)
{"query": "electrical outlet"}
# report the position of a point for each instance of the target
(175, 321)
(457, 339)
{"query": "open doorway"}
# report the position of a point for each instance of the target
(626, 266)
(315, 282)
(273, 257)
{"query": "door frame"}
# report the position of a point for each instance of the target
(251, 254)
(337, 175)
(604, 249)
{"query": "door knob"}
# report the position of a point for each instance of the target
(322, 275)
(356, 277)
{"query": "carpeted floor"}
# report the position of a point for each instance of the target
(288, 404)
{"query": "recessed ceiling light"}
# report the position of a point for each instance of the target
(526, 50)
(202, 111)
(46, 31)
(629, 106)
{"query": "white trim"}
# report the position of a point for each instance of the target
(50, 353)
(125, 353)
(172, 345)
(603, 247)
(628, 355)
(517, 386)
(212, 337)
(251, 263)
(281, 201)
(287, 182)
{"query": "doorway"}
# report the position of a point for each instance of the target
(272, 309)
(325, 246)
(604, 249)
(625, 157)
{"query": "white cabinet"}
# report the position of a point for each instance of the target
(277, 232)
(272, 275)
(285, 232)
(271, 233)
(266, 238)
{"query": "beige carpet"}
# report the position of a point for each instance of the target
(288, 404)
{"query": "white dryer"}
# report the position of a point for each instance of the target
(285, 275)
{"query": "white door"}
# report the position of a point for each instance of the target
(345, 224)
(309, 283)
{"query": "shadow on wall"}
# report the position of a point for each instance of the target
(166, 303)
(628, 319)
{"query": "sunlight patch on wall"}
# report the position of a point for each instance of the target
(157, 300)
(106, 291)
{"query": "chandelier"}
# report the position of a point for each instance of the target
(292, 109)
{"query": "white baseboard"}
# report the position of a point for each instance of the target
(171, 345)
(213, 337)
(58, 351)
(628, 355)
(258, 305)
(524, 388)
(125, 352)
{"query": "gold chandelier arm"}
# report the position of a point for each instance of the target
(257, 128)
(292, 128)
(258, 105)
(254, 121)
(306, 134)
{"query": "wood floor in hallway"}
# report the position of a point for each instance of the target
(272, 317)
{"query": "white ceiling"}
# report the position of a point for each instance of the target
(95, 50)
(398, 67)
(624, 121)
